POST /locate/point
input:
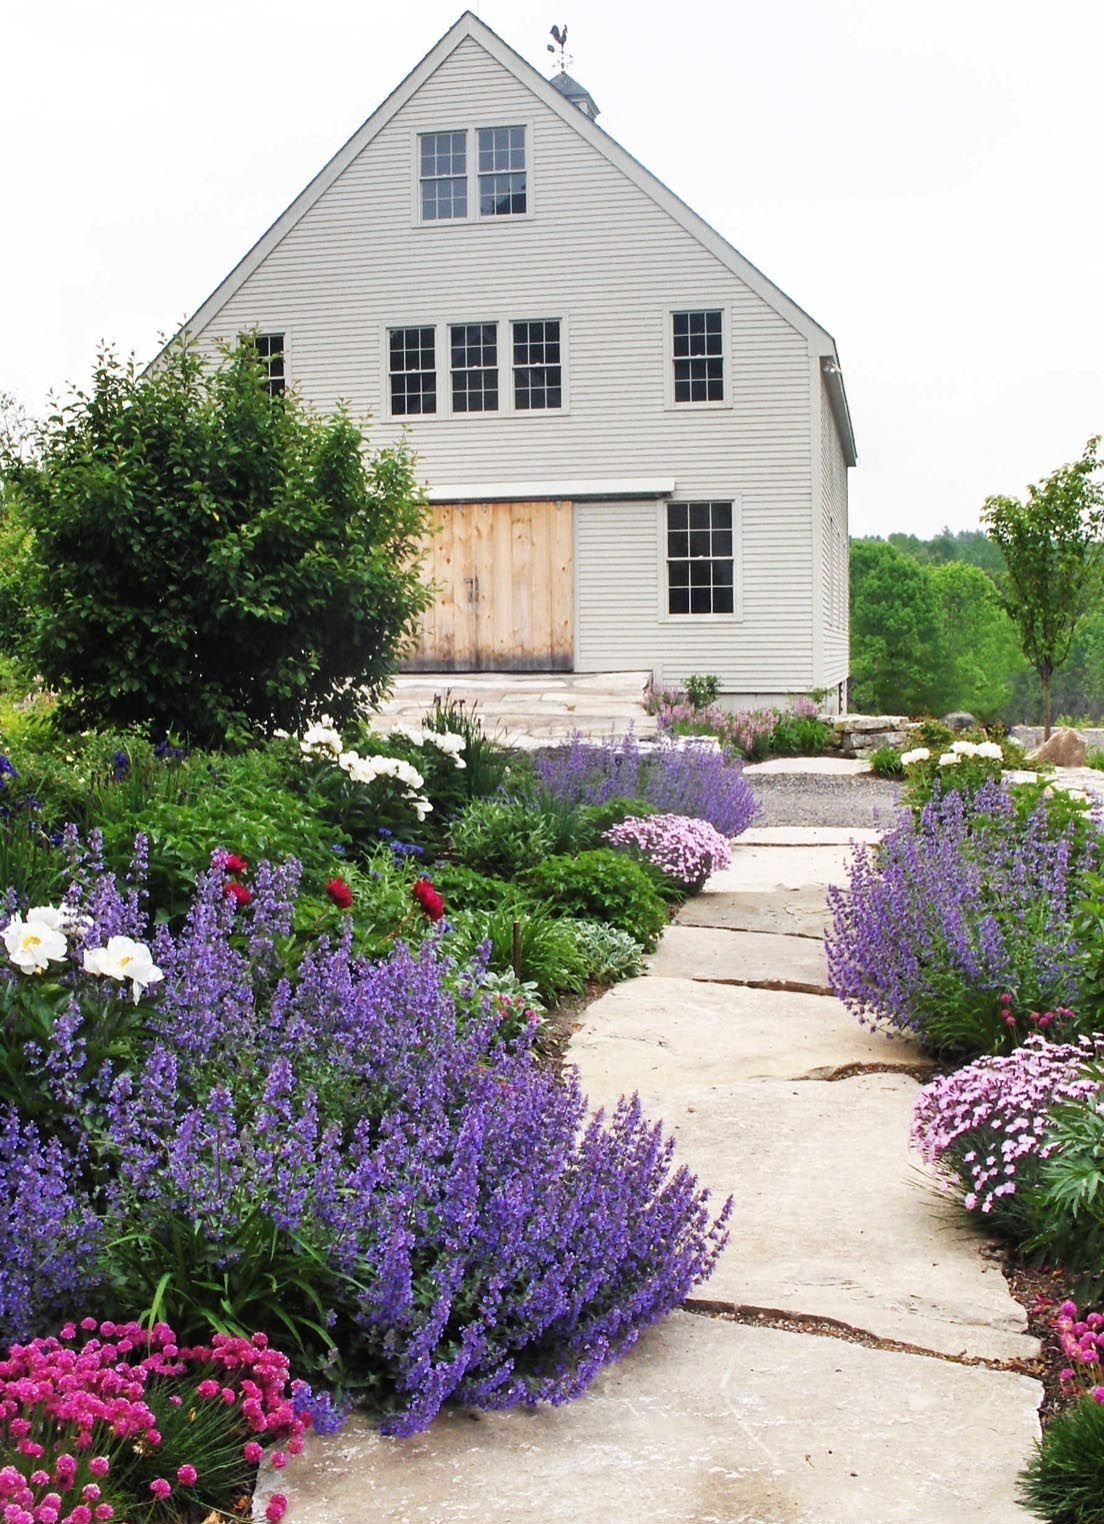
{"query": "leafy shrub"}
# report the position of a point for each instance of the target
(702, 689)
(350, 1155)
(610, 954)
(501, 837)
(885, 762)
(965, 767)
(955, 909)
(988, 1127)
(1068, 1201)
(486, 760)
(801, 735)
(592, 821)
(689, 777)
(210, 558)
(684, 850)
(601, 886)
(1063, 1482)
(539, 948)
(465, 889)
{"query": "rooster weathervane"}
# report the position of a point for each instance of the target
(560, 35)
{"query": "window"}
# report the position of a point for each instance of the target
(537, 371)
(698, 349)
(699, 558)
(269, 348)
(501, 171)
(474, 349)
(444, 175)
(413, 368)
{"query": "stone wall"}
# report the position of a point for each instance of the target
(857, 735)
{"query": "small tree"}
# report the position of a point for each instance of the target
(898, 660)
(211, 559)
(1052, 554)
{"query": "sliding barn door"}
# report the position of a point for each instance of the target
(504, 580)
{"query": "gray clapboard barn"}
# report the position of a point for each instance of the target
(636, 447)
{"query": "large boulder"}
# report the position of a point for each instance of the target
(959, 720)
(1066, 748)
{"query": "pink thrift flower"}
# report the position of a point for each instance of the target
(160, 1488)
(277, 1507)
(187, 1475)
(252, 1452)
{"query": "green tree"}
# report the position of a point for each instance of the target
(979, 641)
(898, 657)
(210, 558)
(1051, 547)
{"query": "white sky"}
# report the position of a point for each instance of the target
(924, 179)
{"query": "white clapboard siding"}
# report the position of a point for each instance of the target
(835, 642)
(601, 253)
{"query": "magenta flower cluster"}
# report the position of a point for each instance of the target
(686, 849)
(985, 1127)
(1081, 1340)
(81, 1417)
(691, 776)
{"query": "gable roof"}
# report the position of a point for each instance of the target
(467, 26)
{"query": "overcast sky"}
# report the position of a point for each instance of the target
(925, 180)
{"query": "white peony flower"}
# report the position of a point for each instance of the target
(949, 758)
(965, 748)
(321, 739)
(918, 754)
(991, 751)
(33, 943)
(123, 958)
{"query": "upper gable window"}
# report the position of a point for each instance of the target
(469, 175)
(269, 349)
(698, 353)
(501, 171)
(444, 175)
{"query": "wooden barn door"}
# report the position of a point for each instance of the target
(504, 579)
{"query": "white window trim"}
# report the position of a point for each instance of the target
(696, 305)
(443, 354)
(695, 620)
(473, 219)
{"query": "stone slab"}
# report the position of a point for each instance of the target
(840, 766)
(808, 836)
(835, 1218)
(789, 912)
(756, 866)
(661, 1036)
(741, 957)
(704, 1422)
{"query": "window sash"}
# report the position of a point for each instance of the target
(698, 355)
(700, 558)
(269, 349)
(413, 370)
(538, 373)
(474, 367)
(443, 166)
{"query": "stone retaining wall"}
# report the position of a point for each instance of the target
(857, 735)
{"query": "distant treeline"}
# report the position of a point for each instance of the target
(928, 635)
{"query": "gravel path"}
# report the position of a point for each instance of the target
(821, 799)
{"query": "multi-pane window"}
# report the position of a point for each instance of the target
(502, 190)
(474, 356)
(413, 370)
(538, 376)
(699, 558)
(269, 349)
(443, 171)
(698, 348)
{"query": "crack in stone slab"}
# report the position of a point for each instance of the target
(822, 1327)
(790, 986)
(920, 1071)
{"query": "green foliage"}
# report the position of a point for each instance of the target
(601, 886)
(800, 735)
(1063, 1482)
(547, 950)
(610, 954)
(886, 762)
(486, 761)
(501, 837)
(211, 559)
(898, 663)
(1067, 1196)
(465, 889)
(979, 639)
(592, 820)
(1051, 547)
(702, 689)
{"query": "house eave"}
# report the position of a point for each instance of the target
(549, 490)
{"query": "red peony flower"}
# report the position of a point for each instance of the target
(428, 898)
(238, 892)
(233, 863)
(339, 891)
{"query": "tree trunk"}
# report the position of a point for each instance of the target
(1046, 705)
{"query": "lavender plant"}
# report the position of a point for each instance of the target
(354, 1156)
(967, 903)
(688, 777)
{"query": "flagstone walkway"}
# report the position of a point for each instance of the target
(855, 1357)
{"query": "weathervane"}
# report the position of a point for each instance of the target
(560, 35)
